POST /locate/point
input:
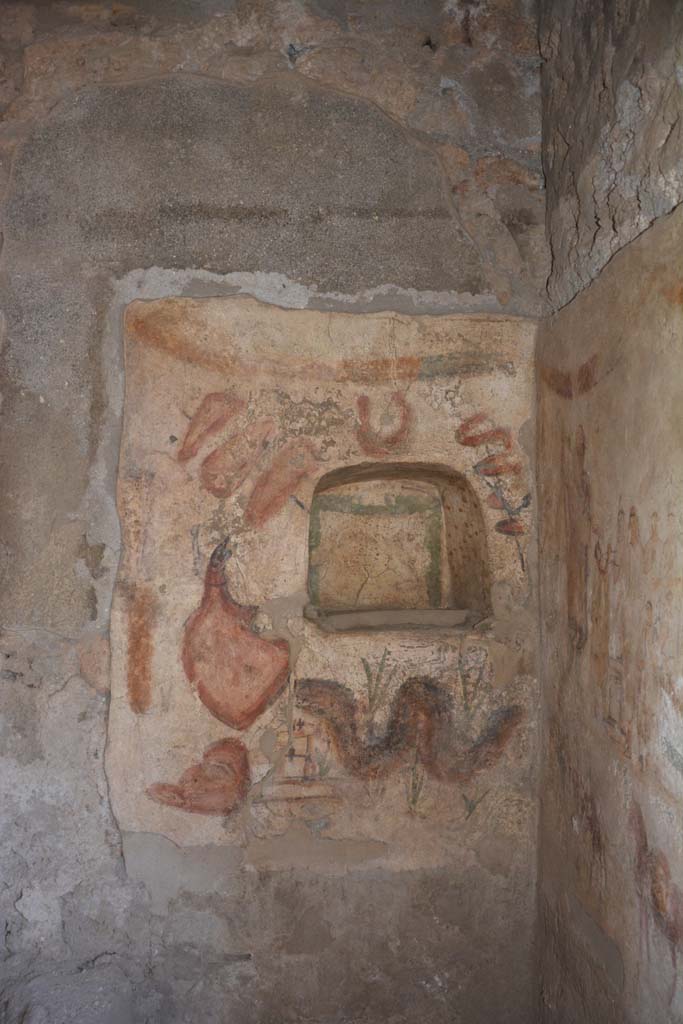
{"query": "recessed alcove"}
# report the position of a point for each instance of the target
(400, 545)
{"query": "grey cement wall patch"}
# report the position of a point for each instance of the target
(240, 206)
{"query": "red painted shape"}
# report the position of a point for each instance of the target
(142, 612)
(674, 294)
(468, 431)
(510, 527)
(374, 442)
(235, 672)
(211, 416)
(570, 384)
(495, 501)
(587, 375)
(470, 434)
(218, 784)
(292, 464)
(558, 381)
(496, 465)
(658, 893)
(224, 471)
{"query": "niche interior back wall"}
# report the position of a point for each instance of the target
(338, 156)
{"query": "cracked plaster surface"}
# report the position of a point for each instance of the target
(613, 98)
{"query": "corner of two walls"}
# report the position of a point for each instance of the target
(610, 476)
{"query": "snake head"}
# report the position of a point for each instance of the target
(221, 554)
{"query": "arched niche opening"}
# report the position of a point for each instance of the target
(395, 546)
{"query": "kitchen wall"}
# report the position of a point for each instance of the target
(337, 157)
(608, 385)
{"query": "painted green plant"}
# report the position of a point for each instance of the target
(378, 683)
(471, 805)
(415, 786)
(472, 669)
(322, 762)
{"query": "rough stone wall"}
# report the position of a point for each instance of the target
(330, 155)
(612, 83)
(611, 857)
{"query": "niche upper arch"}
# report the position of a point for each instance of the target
(397, 544)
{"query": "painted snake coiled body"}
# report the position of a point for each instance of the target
(421, 723)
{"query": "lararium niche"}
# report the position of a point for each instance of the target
(394, 546)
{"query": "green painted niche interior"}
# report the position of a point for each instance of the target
(397, 536)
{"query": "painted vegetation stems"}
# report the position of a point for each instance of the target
(271, 479)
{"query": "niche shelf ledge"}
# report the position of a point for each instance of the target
(342, 620)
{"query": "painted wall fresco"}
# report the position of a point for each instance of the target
(235, 717)
(398, 535)
(612, 588)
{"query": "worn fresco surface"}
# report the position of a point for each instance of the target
(612, 555)
(235, 716)
(319, 153)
